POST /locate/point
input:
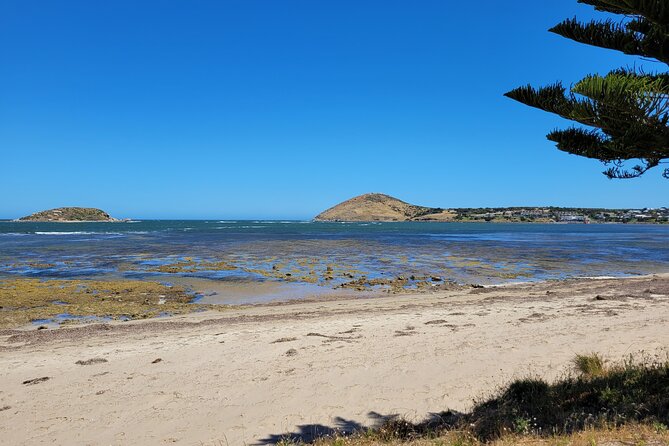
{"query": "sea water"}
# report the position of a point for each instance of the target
(481, 253)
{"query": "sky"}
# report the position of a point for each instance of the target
(280, 109)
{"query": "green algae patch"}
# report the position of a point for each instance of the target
(188, 265)
(23, 301)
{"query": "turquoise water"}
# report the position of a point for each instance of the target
(310, 251)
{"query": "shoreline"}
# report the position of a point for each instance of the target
(132, 220)
(202, 295)
(250, 374)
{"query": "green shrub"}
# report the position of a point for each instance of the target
(597, 397)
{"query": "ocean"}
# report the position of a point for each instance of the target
(331, 254)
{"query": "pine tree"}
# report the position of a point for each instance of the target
(624, 114)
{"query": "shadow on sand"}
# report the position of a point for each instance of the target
(307, 433)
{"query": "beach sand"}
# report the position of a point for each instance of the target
(251, 374)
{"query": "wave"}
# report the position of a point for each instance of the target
(241, 227)
(86, 233)
(283, 222)
(64, 233)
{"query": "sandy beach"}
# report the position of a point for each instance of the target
(252, 374)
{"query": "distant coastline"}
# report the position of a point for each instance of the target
(376, 207)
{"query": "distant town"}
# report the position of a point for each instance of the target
(562, 215)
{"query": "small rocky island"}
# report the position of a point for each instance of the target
(69, 215)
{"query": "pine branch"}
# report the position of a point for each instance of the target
(625, 113)
(618, 36)
(656, 11)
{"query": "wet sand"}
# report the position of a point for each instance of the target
(251, 374)
(247, 292)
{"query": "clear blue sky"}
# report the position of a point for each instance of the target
(261, 109)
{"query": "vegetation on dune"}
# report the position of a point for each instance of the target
(631, 435)
(23, 301)
(628, 401)
(622, 115)
(596, 397)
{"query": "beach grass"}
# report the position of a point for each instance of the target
(591, 365)
(625, 403)
(629, 435)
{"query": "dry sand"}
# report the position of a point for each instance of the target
(252, 374)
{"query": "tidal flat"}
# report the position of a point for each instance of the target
(348, 255)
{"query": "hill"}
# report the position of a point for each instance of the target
(69, 214)
(381, 207)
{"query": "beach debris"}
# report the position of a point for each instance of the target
(599, 297)
(291, 352)
(156, 361)
(5, 408)
(285, 339)
(33, 381)
(436, 321)
(409, 330)
(335, 338)
(91, 361)
(42, 327)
